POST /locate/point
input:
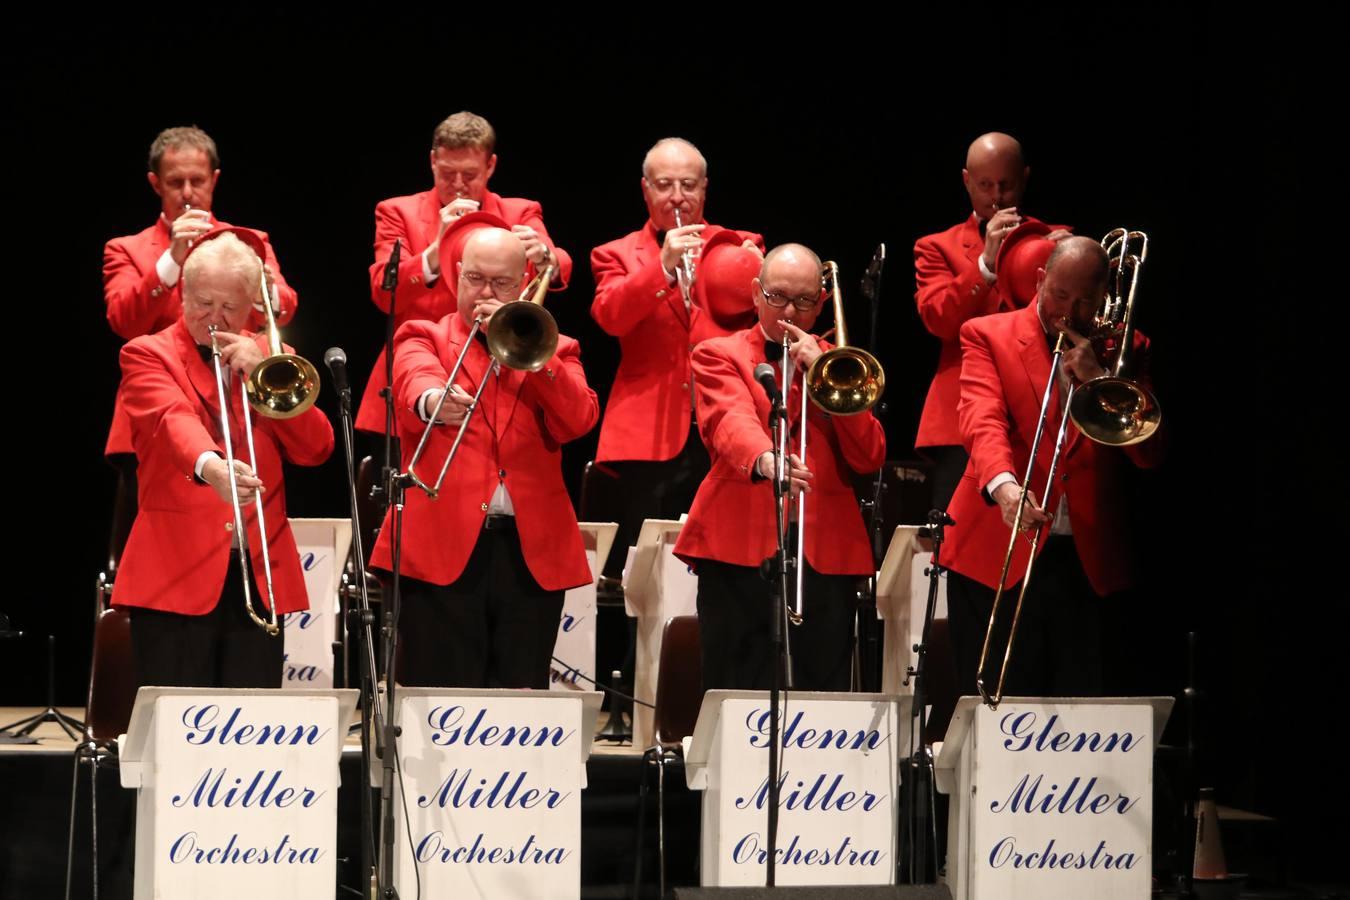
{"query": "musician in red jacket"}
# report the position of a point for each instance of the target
(180, 575)
(731, 527)
(484, 565)
(954, 277)
(463, 159)
(649, 436)
(1086, 553)
(141, 272)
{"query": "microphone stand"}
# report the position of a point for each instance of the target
(777, 568)
(374, 715)
(867, 649)
(918, 828)
(383, 492)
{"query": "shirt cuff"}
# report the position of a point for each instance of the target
(427, 275)
(201, 464)
(985, 273)
(998, 481)
(670, 276)
(422, 412)
(167, 270)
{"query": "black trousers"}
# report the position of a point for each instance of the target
(655, 490)
(949, 464)
(223, 648)
(1060, 644)
(494, 626)
(734, 606)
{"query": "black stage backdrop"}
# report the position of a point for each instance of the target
(837, 129)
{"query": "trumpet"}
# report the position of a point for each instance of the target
(684, 272)
(521, 335)
(1109, 409)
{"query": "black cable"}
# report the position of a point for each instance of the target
(602, 685)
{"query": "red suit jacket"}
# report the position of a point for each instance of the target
(176, 557)
(648, 412)
(139, 303)
(516, 436)
(950, 290)
(733, 519)
(415, 220)
(1005, 365)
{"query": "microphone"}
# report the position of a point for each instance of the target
(336, 361)
(764, 375)
(871, 279)
(390, 273)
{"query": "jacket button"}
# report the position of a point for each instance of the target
(685, 386)
(501, 473)
(483, 507)
(229, 526)
(661, 293)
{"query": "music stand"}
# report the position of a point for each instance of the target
(24, 728)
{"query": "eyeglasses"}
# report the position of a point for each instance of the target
(666, 185)
(778, 300)
(500, 286)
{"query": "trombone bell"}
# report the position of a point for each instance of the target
(283, 386)
(1115, 411)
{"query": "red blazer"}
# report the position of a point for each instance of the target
(950, 290)
(176, 557)
(733, 518)
(415, 220)
(517, 434)
(1004, 368)
(648, 412)
(139, 303)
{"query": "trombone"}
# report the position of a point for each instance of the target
(1109, 409)
(843, 381)
(521, 335)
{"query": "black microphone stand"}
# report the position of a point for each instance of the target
(382, 492)
(918, 828)
(374, 715)
(777, 568)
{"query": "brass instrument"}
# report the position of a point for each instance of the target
(1109, 409)
(684, 272)
(283, 385)
(1112, 409)
(843, 381)
(846, 380)
(268, 625)
(521, 335)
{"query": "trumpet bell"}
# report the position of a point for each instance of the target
(282, 386)
(522, 335)
(1115, 411)
(845, 381)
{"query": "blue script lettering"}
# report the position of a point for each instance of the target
(1021, 729)
(795, 735)
(1005, 853)
(569, 622)
(431, 849)
(813, 798)
(455, 791)
(202, 721)
(299, 673)
(185, 850)
(747, 850)
(1077, 799)
(209, 791)
(310, 561)
(446, 720)
(300, 620)
(568, 675)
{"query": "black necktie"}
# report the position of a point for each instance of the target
(773, 352)
(205, 353)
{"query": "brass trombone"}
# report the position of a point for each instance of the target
(1109, 409)
(843, 381)
(521, 335)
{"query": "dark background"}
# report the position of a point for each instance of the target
(836, 129)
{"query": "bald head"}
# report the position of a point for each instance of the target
(1080, 253)
(995, 173)
(992, 146)
(674, 151)
(494, 246)
(492, 267)
(789, 261)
